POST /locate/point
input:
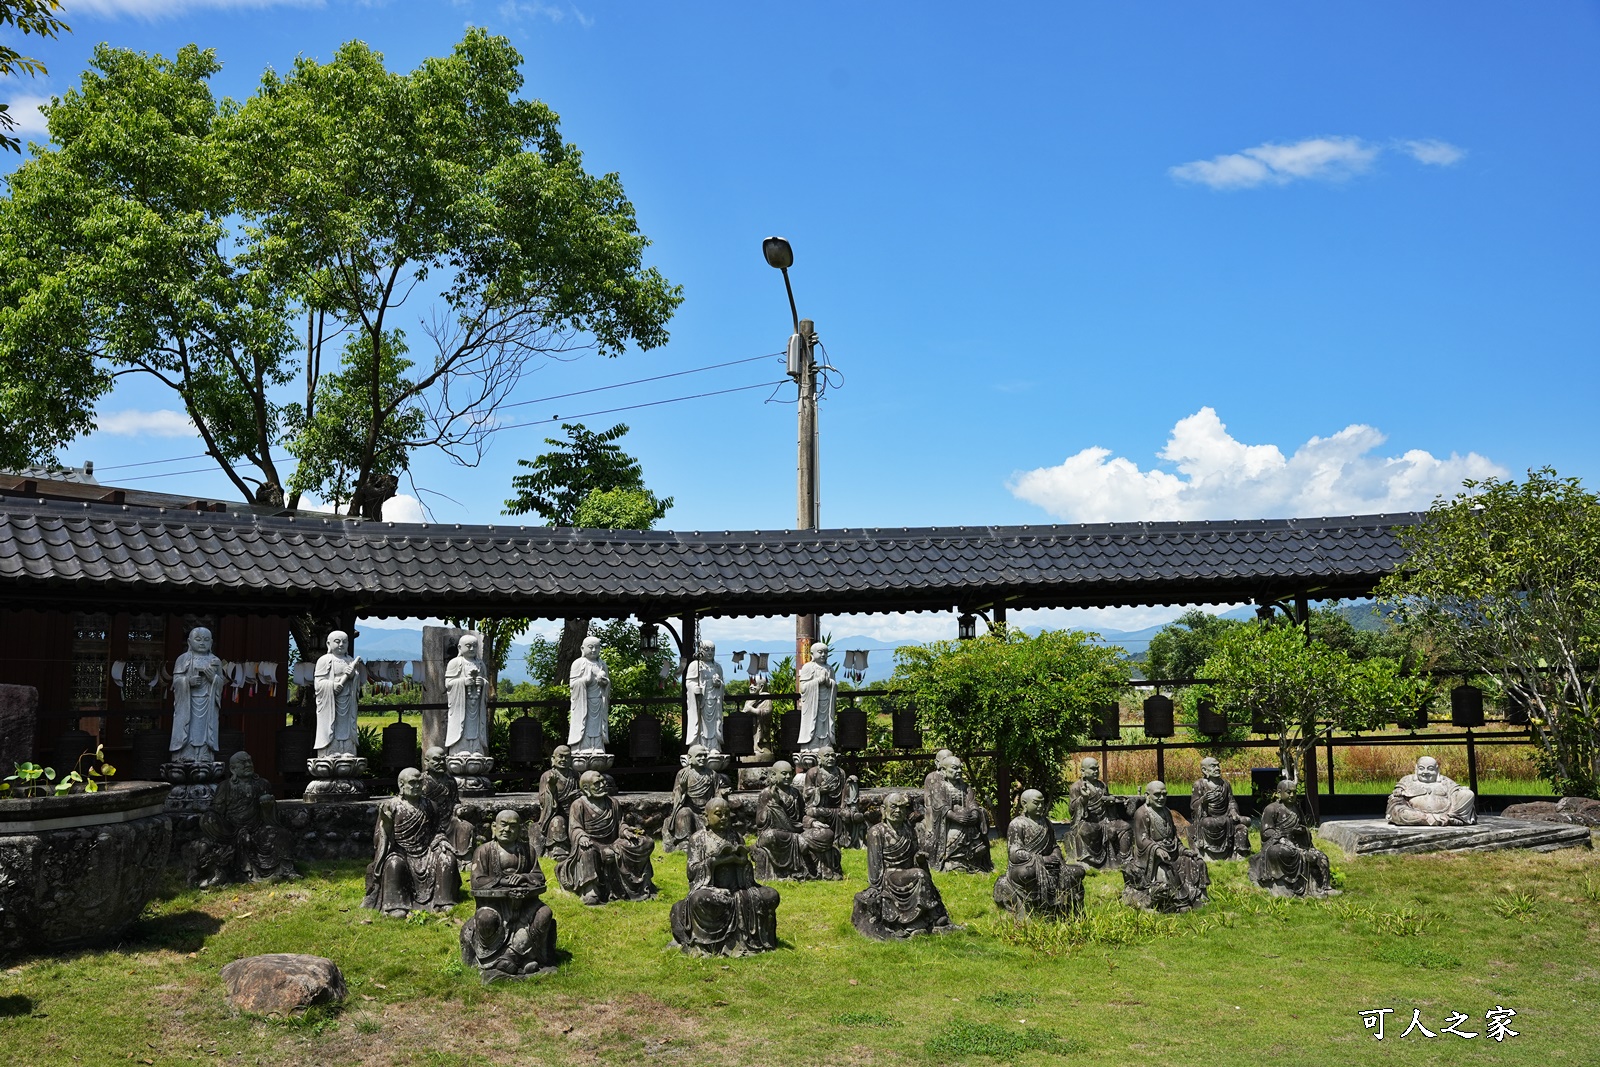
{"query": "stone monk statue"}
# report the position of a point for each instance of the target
(958, 828)
(338, 687)
(558, 788)
(241, 840)
(1162, 874)
(589, 728)
(831, 799)
(900, 899)
(790, 845)
(1101, 836)
(818, 693)
(1038, 881)
(1216, 829)
(727, 912)
(1428, 798)
(440, 788)
(513, 933)
(703, 697)
(693, 788)
(413, 867)
(466, 687)
(610, 860)
(1289, 865)
(197, 684)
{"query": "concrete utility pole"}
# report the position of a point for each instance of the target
(802, 367)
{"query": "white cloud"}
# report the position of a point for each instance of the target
(1325, 158)
(1433, 152)
(1219, 477)
(516, 10)
(29, 119)
(163, 422)
(157, 9)
(403, 507)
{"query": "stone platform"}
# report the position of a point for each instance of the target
(1375, 837)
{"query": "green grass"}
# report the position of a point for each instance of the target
(1249, 979)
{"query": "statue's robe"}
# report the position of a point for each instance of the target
(1101, 835)
(702, 714)
(691, 791)
(608, 858)
(558, 788)
(958, 829)
(444, 793)
(196, 707)
(589, 725)
(727, 912)
(467, 716)
(1441, 802)
(337, 684)
(819, 693)
(788, 844)
(1038, 880)
(1163, 873)
(513, 932)
(413, 868)
(243, 840)
(1288, 863)
(1216, 829)
(828, 800)
(900, 899)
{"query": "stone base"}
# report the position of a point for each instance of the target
(194, 797)
(1375, 837)
(475, 785)
(328, 790)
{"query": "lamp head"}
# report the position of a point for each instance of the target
(778, 253)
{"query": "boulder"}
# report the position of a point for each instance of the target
(1576, 811)
(283, 982)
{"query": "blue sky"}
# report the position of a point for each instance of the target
(1074, 262)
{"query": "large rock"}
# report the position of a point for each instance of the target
(1368, 837)
(1576, 811)
(283, 982)
(19, 721)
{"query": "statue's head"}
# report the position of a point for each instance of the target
(1032, 802)
(433, 759)
(716, 813)
(1089, 769)
(707, 651)
(242, 766)
(593, 784)
(591, 647)
(561, 757)
(951, 768)
(827, 757)
(339, 643)
(819, 653)
(1156, 794)
(507, 829)
(1427, 769)
(698, 757)
(410, 783)
(1210, 768)
(200, 640)
(781, 774)
(470, 646)
(1285, 789)
(940, 756)
(896, 807)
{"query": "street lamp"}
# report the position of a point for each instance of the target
(802, 368)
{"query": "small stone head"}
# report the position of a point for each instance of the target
(951, 767)
(896, 807)
(200, 640)
(593, 784)
(1089, 769)
(698, 757)
(707, 651)
(716, 813)
(242, 766)
(434, 760)
(1285, 789)
(470, 646)
(827, 757)
(1210, 768)
(780, 774)
(591, 647)
(339, 643)
(1032, 802)
(507, 829)
(1427, 769)
(561, 757)
(410, 783)
(819, 653)
(1156, 794)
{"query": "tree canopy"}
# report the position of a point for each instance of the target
(171, 235)
(1179, 648)
(560, 482)
(1506, 576)
(29, 17)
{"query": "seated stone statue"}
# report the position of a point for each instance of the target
(1289, 864)
(958, 828)
(830, 797)
(241, 840)
(1216, 829)
(900, 899)
(610, 860)
(1428, 798)
(1162, 874)
(727, 912)
(791, 845)
(513, 933)
(1101, 836)
(558, 788)
(444, 793)
(413, 867)
(1038, 881)
(695, 785)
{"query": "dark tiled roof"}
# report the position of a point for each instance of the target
(129, 556)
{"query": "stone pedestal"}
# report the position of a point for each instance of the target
(336, 778)
(473, 774)
(1375, 837)
(194, 783)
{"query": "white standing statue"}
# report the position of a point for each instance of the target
(589, 729)
(703, 692)
(338, 687)
(197, 683)
(818, 691)
(466, 687)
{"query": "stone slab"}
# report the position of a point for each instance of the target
(1375, 837)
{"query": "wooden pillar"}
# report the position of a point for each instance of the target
(1312, 807)
(1472, 763)
(1330, 766)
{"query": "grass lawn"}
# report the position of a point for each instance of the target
(1248, 980)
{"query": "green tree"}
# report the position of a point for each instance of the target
(29, 17)
(1506, 576)
(1179, 648)
(1028, 699)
